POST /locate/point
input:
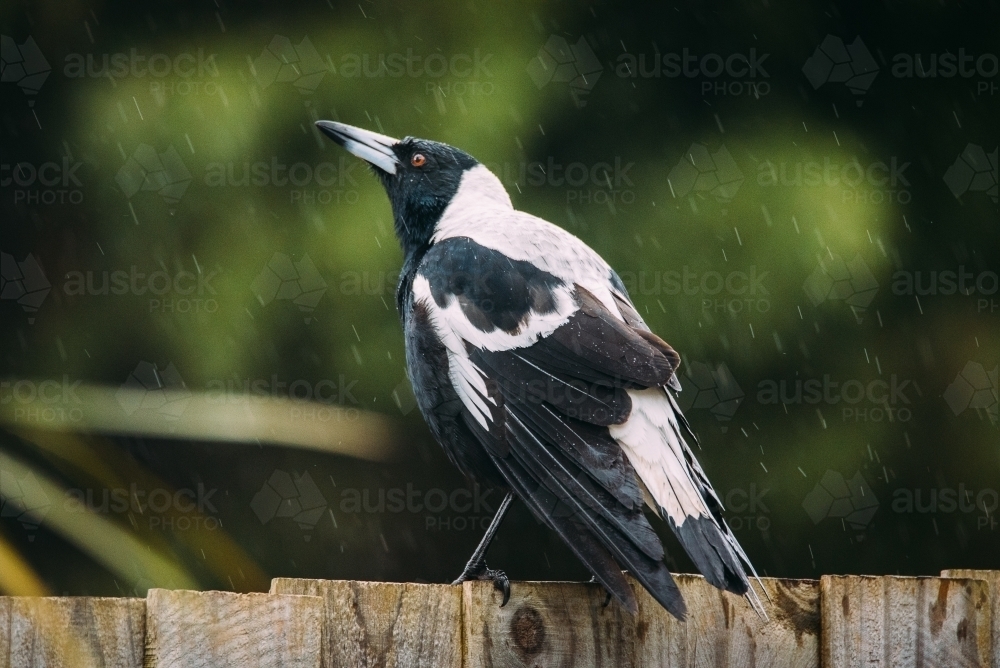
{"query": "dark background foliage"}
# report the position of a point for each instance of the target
(810, 222)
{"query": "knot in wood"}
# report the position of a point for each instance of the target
(528, 630)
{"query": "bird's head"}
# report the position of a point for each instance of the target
(421, 177)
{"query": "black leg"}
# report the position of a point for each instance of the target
(476, 568)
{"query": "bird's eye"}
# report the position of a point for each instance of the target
(418, 160)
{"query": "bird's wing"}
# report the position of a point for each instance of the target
(657, 421)
(568, 398)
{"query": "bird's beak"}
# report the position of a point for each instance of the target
(370, 146)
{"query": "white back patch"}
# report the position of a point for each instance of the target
(482, 211)
(652, 442)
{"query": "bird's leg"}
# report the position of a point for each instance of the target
(476, 568)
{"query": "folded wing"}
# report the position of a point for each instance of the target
(567, 399)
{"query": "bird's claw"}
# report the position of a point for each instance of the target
(499, 579)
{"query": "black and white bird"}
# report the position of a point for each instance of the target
(537, 375)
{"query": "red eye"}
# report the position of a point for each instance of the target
(418, 160)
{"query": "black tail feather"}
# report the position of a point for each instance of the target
(561, 500)
(594, 556)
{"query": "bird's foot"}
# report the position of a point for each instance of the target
(480, 572)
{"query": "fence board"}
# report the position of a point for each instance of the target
(909, 622)
(567, 624)
(79, 632)
(386, 623)
(214, 629)
(841, 621)
(993, 579)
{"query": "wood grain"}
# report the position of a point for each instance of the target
(386, 623)
(842, 622)
(992, 578)
(909, 622)
(214, 629)
(567, 624)
(72, 632)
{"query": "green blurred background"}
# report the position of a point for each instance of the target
(787, 220)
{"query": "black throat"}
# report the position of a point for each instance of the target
(425, 183)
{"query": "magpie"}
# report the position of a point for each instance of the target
(537, 375)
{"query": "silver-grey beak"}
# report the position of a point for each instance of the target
(367, 145)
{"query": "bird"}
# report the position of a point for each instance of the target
(537, 375)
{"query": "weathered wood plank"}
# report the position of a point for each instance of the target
(867, 621)
(545, 624)
(567, 624)
(214, 629)
(74, 632)
(386, 623)
(993, 579)
(722, 629)
(909, 622)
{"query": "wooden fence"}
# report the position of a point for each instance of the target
(950, 621)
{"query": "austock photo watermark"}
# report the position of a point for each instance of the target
(185, 73)
(980, 287)
(710, 387)
(297, 497)
(729, 74)
(182, 73)
(43, 183)
(851, 63)
(300, 64)
(159, 393)
(708, 170)
(714, 388)
(745, 508)
(184, 291)
(983, 503)
(183, 509)
(162, 391)
(23, 282)
(740, 74)
(47, 401)
(150, 507)
(458, 509)
(167, 174)
(305, 183)
(852, 501)
(600, 182)
(875, 400)
(876, 181)
(161, 290)
(325, 400)
(575, 65)
(733, 292)
(287, 279)
(456, 74)
(974, 390)
(981, 68)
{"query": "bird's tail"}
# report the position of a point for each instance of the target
(677, 489)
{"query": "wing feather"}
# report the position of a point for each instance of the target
(568, 395)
